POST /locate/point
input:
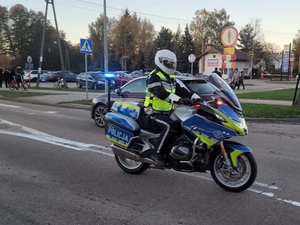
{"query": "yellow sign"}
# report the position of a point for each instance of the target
(229, 51)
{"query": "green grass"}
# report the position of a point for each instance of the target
(82, 102)
(20, 93)
(68, 89)
(286, 94)
(270, 111)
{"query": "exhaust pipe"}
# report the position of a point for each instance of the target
(130, 155)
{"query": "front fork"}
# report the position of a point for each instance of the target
(232, 157)
(227, 160)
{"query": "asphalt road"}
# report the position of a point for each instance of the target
(57, 168)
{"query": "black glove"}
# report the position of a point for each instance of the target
(185, 101)
(197, 100)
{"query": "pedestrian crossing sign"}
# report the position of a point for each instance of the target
(86, 46)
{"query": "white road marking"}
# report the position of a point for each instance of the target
(10, 106)
(257, 187)
(51, 112)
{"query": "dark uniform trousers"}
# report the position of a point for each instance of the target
(161, 122)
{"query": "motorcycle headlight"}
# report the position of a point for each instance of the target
(100, 82)
(238, 124)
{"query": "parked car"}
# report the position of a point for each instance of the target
(95, 80)
(137, 73)
(34, 75)
(121, 78)
(135, 90)
(54, 76)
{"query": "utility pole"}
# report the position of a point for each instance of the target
(105, 47)
(42, 47)
(43, 41)
(58, 38)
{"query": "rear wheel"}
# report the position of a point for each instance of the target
(78, 85)
(99, 115)
(11, 86)
(131, 166)
(236, 179)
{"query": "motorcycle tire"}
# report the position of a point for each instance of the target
(131, 166)
(239, 179)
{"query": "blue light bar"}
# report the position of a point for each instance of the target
(109, 75)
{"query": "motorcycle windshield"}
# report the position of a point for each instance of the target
(216, 80)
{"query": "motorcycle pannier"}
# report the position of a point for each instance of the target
(120, 128)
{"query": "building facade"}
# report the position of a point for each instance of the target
(212, 58)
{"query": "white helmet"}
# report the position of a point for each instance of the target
(166, 61)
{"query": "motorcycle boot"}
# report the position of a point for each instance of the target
(158, 160)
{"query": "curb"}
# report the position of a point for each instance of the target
(88, 107)
(295, 121)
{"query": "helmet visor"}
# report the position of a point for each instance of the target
(169, 63)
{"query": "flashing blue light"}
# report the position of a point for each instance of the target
(109, 75)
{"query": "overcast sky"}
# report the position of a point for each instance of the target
(279, 19)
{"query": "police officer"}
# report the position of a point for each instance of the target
(161, 92)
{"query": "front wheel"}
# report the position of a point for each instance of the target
(25, 86)
(131, 166)
(233, 179)
(99, 115)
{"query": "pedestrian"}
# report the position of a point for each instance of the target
(12, 74)
(6, 77)
(1, 77)
(19, 73)
(162, 91)
(236, 82)
(217, 72)
(241, 80)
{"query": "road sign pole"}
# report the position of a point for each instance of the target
(86, 47)
(86, 79)
(192, 59)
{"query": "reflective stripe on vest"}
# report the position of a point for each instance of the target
(152, 100)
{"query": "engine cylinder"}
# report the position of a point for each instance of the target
(181, 152)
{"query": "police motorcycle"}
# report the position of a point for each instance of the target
(202, 145)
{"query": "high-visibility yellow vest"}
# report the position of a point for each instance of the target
(156, 103)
